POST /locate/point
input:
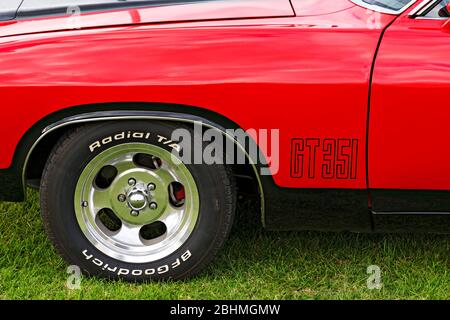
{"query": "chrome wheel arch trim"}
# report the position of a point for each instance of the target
(122, 115)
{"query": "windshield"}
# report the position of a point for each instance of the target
(388, 6)
(8, 9)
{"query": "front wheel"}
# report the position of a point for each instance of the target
(117, 203)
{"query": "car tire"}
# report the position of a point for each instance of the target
(109, 206)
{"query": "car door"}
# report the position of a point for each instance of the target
(409, 133)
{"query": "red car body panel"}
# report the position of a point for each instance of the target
(409, 116)
(300, 70)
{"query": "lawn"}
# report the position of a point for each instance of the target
(255, 264)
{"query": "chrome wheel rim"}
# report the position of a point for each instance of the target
(136, 186)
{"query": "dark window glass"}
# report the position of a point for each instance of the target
(389, 4)
(438, 10)
(8, 9)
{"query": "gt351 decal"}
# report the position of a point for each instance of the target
(329, 158)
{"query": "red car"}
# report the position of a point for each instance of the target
(141, 121)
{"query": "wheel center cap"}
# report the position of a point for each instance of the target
(137, 199)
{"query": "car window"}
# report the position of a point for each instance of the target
(8, 9)
(388, 4)
(438, 10)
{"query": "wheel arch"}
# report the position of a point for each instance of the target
(37, 143)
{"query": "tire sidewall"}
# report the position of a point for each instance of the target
(74, 155)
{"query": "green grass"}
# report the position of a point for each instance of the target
(255, 264)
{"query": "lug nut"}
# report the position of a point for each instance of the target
(134, 213)
(151, 187)
(153, 206)
(132, 182)
(122, 197)
(84, 204)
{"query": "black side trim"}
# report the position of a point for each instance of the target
(384, 200)
(316, 209)
(413, 222)
(11, 188)
(411, 213)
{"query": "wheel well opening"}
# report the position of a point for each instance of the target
(40, 154)
(245, 176)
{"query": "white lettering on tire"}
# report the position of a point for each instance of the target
(133, 135)
(137, 272)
